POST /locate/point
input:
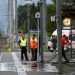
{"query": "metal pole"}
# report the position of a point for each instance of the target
(8, 19)
(38, 36)
(59, 34)
(8, 16)
(11, 23)
(71, 40)
(28, 28)
(16, 22)
(14, 15)
(41, 27)
(44, 23)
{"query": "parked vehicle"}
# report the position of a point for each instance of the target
(70, 36)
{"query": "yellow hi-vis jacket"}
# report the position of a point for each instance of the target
(23, 42)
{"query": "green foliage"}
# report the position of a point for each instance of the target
(22, 14)
(22, 17)
(51, 25)
(68, 4)
(0, 33)
(45, 50)
(48, 34)
(33, 22)
(51, 10)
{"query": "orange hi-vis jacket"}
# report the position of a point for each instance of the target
(33, 43)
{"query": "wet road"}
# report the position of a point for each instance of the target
(10, 64)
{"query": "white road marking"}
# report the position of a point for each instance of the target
(18, 65)
(0, 56)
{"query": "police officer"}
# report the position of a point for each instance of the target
(23, 44)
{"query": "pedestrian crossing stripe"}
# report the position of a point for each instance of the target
(18, 64)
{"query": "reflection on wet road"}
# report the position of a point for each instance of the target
(28, 67)
(39, 67)
(7, 67)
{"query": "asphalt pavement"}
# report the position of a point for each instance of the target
(11, 64)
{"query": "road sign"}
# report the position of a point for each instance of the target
(37, 15)
(52, 18)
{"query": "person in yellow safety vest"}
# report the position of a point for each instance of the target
(33, 47)
(23, 44)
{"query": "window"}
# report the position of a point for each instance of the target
(72, 37)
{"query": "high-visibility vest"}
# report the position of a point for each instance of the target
(33, 43)
(23, 42)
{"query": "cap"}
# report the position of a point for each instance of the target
(34, 35)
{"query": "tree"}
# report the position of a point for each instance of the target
(33, 10)
(1, 33)
(51, 8)
(22, 16)
(51, 26)
(66, 3)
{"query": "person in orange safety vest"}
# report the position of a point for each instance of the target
(33, 47)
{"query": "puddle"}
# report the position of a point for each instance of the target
(7, 67)
(39, 67)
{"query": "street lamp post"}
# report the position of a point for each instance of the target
(15, 21)
(41, 27)
(59, 34)
(28, 16)
(44, 23)
(11, 22)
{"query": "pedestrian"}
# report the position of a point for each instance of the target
(63, 43)
(33, 47)
(23, 46)
(54, 42)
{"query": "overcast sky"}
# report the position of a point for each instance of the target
(35, 1)
(21, 2)
(4, 10)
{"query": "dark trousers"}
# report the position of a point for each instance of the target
(34, 53)
(63, 53)
(24, 51)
